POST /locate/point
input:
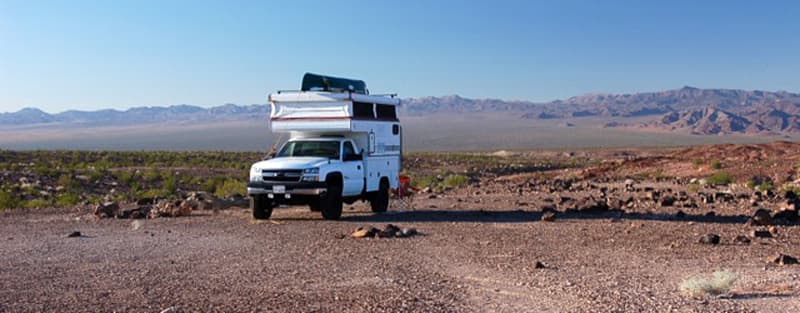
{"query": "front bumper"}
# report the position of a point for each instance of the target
(291, 188)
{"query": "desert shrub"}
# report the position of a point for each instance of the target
(67, 199)
(170, 183)
(716, 165)
(693, 187)
(760, 186)
(36, 203)
(8, 200)
(423, 181)
(154, 193)
(211, 184)
(152, 175)
(720, 283)
(698, 162)
(96, 175)
(67, 181)
(230, 187)
(721, 178)
(126, 177)
(455, 180)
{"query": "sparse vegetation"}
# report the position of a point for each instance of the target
(716, 165)
(455, 180)
(67, 178)
(721, 282)
(231, 187)
(721, 178)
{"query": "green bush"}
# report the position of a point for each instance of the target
(152, 175)
(455, 180)
(126, 177)
(231, 187)
(8, 200)
(715, 165)
(67, 199)
(36, 203)
(170, 185)
(423, 181)
(721, 178)
(66, 181)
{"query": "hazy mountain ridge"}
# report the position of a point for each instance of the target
(688, 109)
(137, 115)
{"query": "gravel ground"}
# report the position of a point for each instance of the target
(466, 259)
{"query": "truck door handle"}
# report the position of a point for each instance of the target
(358, 167)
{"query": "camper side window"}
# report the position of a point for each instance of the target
(386, 112)
(363, 110)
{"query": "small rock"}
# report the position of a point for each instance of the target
(362, 232)
(389, 231)
(760, 233)
(548, 217)
(762, 217)
(406, 232)
(784, 259)
(74, 234)
(710, 239)
(741, 240)
(539, 265)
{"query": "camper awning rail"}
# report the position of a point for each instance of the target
(323, 96)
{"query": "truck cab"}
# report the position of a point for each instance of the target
(344, 146)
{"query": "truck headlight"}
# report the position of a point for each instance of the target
(311, 174)
(254, 170)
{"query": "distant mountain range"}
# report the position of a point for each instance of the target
(138, 115)
(692, 110)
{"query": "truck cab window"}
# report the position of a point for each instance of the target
(301, 148)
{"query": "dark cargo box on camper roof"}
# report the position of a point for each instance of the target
(315, 82)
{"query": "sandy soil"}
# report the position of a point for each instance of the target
(464, 261)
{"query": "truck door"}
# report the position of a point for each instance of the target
(353, 170)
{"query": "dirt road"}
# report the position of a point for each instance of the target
(465, 260)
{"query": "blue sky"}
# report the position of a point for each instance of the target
(59, 55)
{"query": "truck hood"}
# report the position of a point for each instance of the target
(291, 163)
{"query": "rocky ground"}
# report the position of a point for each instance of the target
(586, 231)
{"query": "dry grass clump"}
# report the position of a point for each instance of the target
(721, 282)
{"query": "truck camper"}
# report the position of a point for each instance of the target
(344, 145)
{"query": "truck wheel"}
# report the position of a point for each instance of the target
(331, 202)
(261, 206)
(380, 200)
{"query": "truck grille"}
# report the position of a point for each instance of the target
(282, 176)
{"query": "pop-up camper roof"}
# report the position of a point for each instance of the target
(329, 104)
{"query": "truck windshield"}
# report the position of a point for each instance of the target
(325, 149)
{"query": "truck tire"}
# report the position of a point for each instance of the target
(380, 200)
(261, 206)
(331, 202)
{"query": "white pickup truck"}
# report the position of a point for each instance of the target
(344, 146)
